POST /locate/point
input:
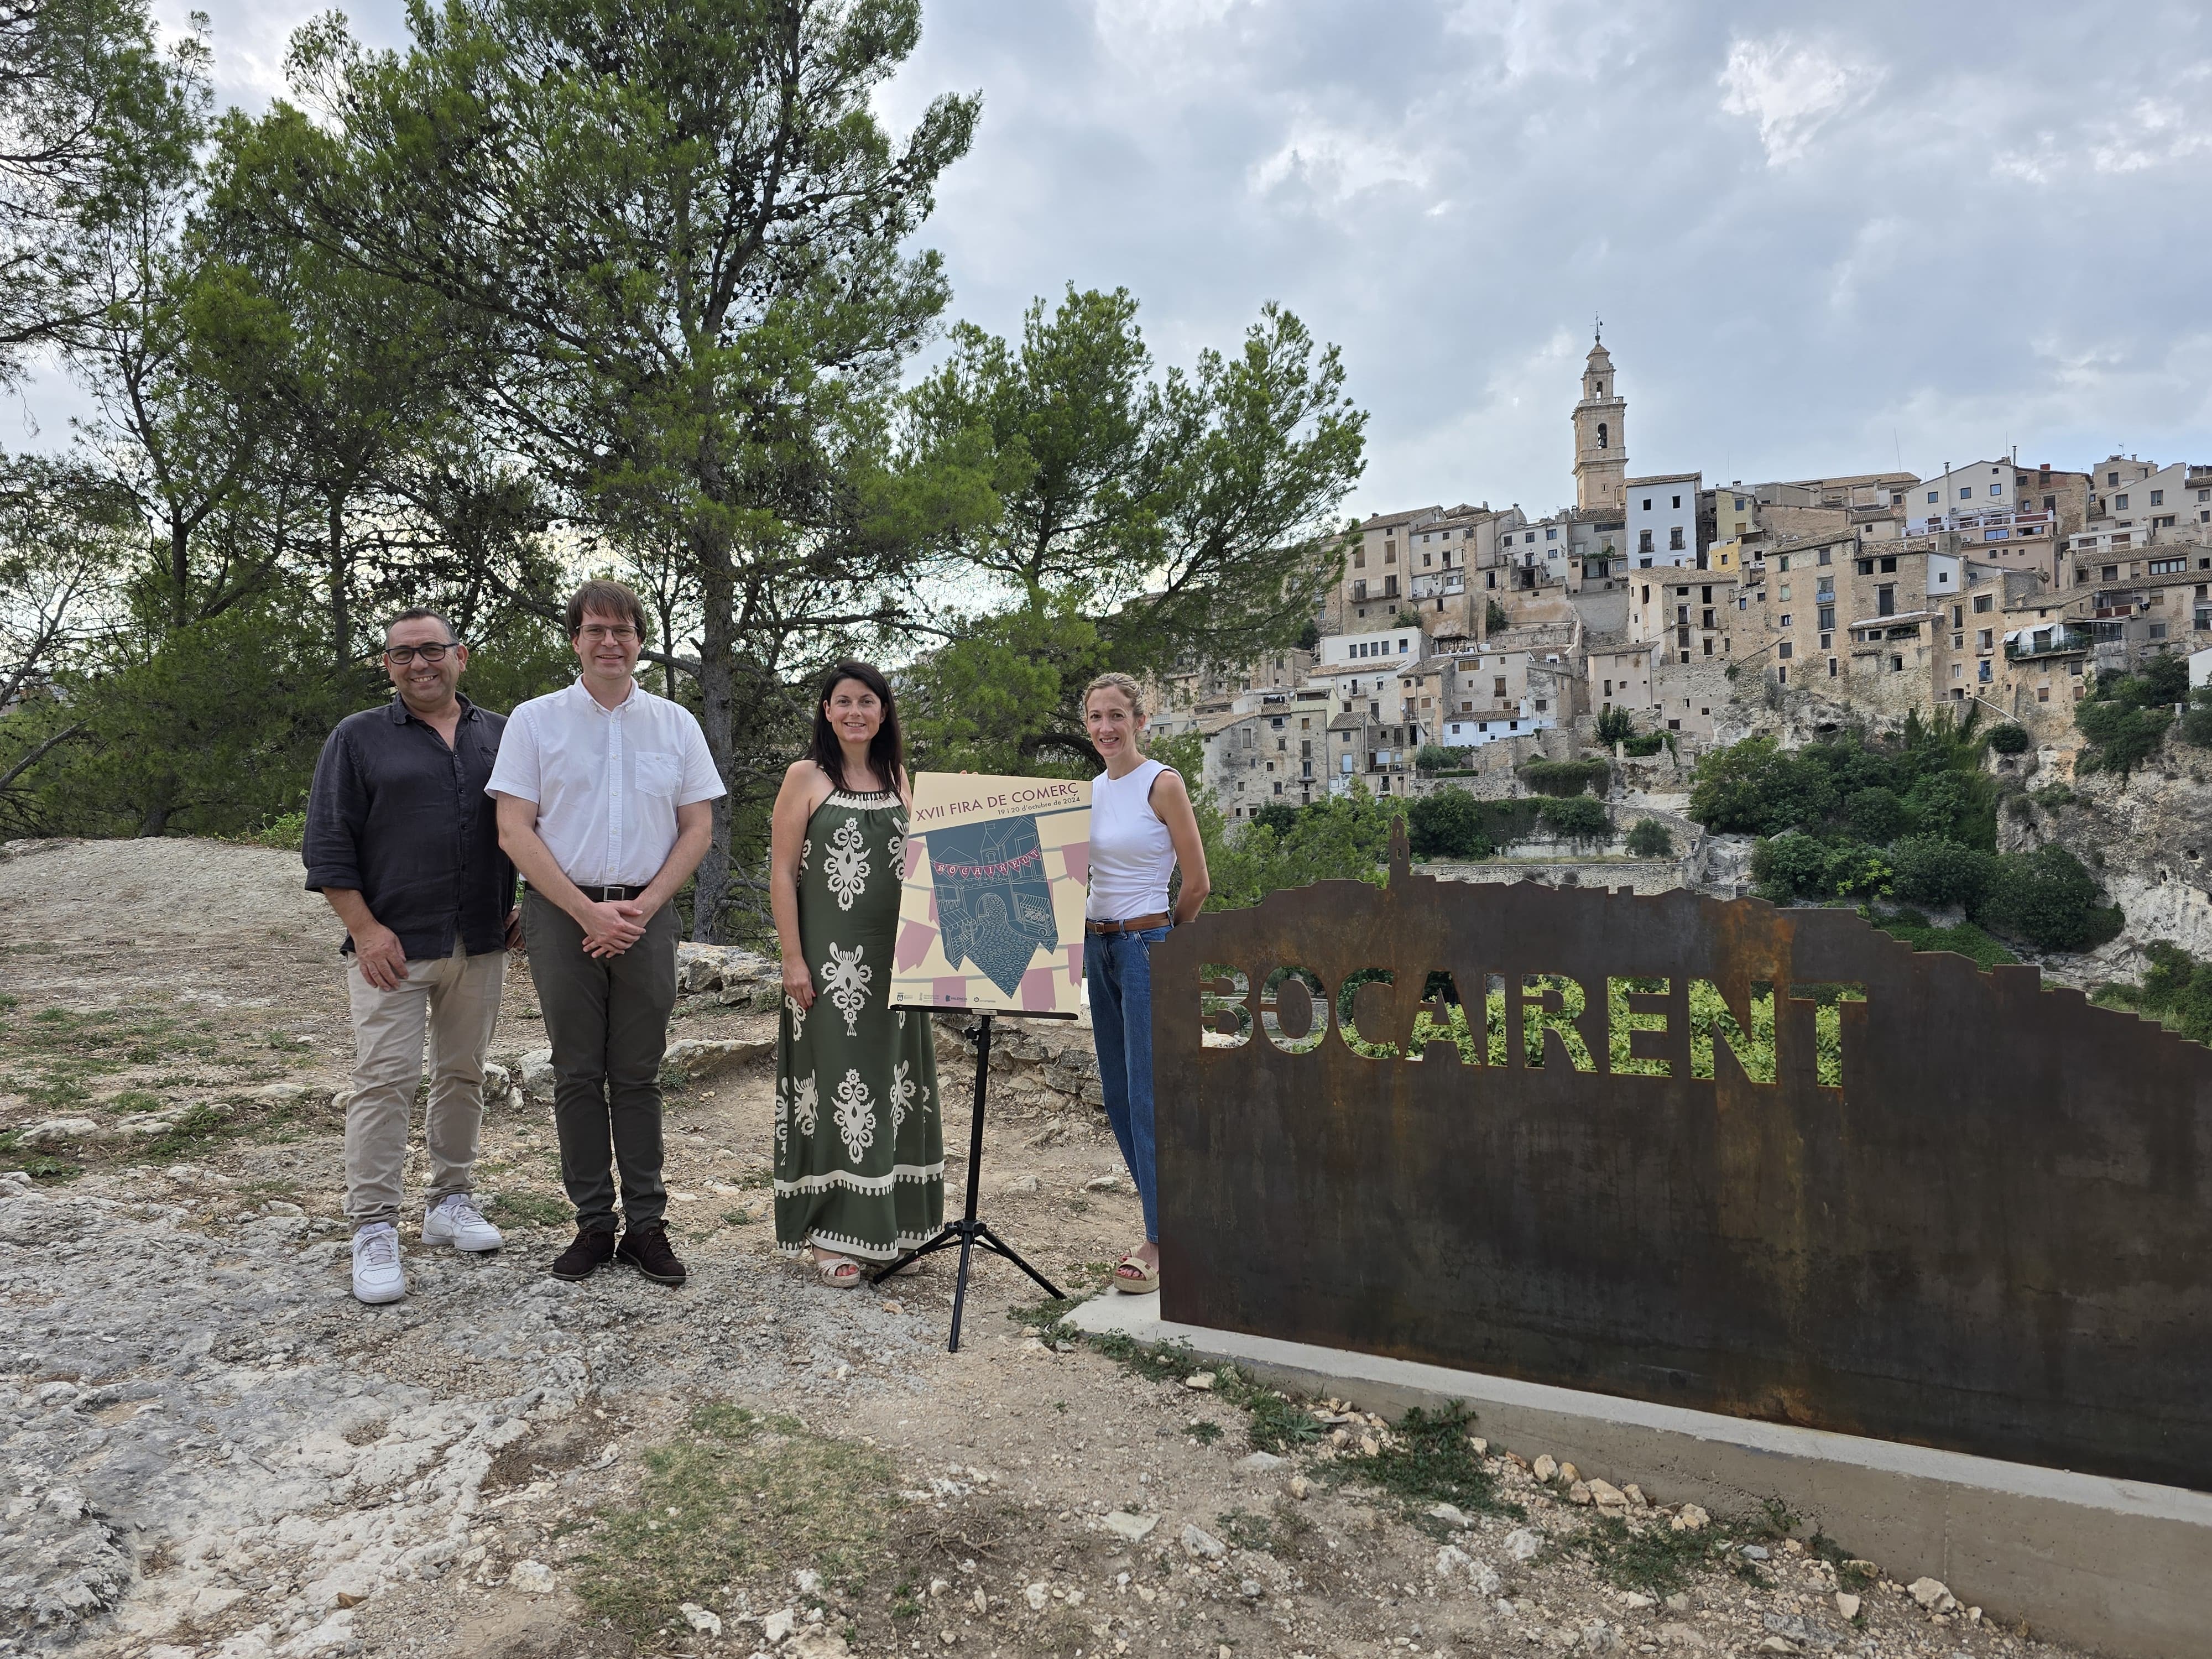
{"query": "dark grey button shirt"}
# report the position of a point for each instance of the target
(404, 821)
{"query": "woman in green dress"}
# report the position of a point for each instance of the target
(859, 1141)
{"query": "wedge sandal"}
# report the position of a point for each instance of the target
(1134, 1276)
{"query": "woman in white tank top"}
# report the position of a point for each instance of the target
(1141, 828)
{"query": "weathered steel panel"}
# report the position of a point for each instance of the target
(1982, 1220)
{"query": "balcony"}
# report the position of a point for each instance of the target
(2026, 644)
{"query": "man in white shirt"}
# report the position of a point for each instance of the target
(604, 796)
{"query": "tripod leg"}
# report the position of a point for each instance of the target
(943, 1241)
(992, 1242)
(960, 1288)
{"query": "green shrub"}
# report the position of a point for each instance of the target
(2121, 736)
(1650, 839)
(1615, 725)
(2176, 992)
(1875, 815)
(2048, 898)
(1930, 870)
(1576, 817)
(1649, 743)
(1550, 777)
(1448, 824)
(2196, 724)
(1965, 939)
(1857, 871)
(1790, 866)
(2010, 738)
(285, 833)
(1437, 757)
(2051, 797)
(1756, 788)
(1494, 617)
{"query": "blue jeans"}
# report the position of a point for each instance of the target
(1119, 967)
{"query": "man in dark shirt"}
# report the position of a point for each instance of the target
(402, 844)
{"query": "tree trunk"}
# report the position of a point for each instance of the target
(717, 718)
(341, 586)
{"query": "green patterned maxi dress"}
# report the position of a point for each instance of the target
(859, 1132)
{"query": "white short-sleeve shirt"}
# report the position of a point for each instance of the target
(606, 782)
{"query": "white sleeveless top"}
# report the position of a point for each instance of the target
(1130, 856)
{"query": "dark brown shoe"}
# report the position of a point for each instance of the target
(593, 1250)
(646, 1248)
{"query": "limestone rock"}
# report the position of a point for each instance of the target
(1258, 1462)
(692, 1058)
(1037, 1595)
(56, 1131)
(1607, 1496)
(1201, 1543)
(1135, 1529)
(1523, 1544)
(1545, 1466)
(537, 1073)
(1690, 1518)
(532, 1577)
(1932, 1594)
(701, 1620)
(1847, 1604)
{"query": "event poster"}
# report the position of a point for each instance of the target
(991, 901)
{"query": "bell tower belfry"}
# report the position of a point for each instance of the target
(1601, 422)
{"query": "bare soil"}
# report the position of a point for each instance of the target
(216, 1451)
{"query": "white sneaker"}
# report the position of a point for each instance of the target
(455, 1220)
(376, 1274)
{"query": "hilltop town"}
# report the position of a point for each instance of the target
(1458, 642)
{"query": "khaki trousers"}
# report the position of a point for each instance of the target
(455, 1002)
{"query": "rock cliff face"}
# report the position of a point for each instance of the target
(2149, 837)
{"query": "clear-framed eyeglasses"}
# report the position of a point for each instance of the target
(402, 655)
(620, 633)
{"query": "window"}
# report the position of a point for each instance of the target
(1996, 489)
(2042, 694)
(1966, 492)
(1642, 541)
(1647, 503)
(1933, 498)
(1783, 564)
(1674, 538)
(2111, 573)
(1678, 500)
(2119, 503)
(1832, 668)
(1785, 619)
(2158, 498)
(1982, 639)
(2051, 503)
(1885, 600)
(1782, 651)
(1550, 535)
(1958, 613)
(2158, 630)
(1826, 640)
(1647, 593)
(1783, 594)
(2166, 566)
(1827, 615)
(2111, 478)
(1821, 557)
(1601, 429)
(1498, 686)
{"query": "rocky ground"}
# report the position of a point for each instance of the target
(213, 1451)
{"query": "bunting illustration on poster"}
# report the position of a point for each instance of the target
(990, 906)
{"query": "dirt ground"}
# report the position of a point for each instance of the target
(215, 1451)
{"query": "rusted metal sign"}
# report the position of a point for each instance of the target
(1766, 1161)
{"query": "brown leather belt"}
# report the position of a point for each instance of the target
(1134, 925)
(597, 894)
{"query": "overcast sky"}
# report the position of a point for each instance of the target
(1822, 238)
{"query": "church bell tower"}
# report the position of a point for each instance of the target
(1601, 421)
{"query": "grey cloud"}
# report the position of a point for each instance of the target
(1822, 236)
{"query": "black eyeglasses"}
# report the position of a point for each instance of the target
(434, 651)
